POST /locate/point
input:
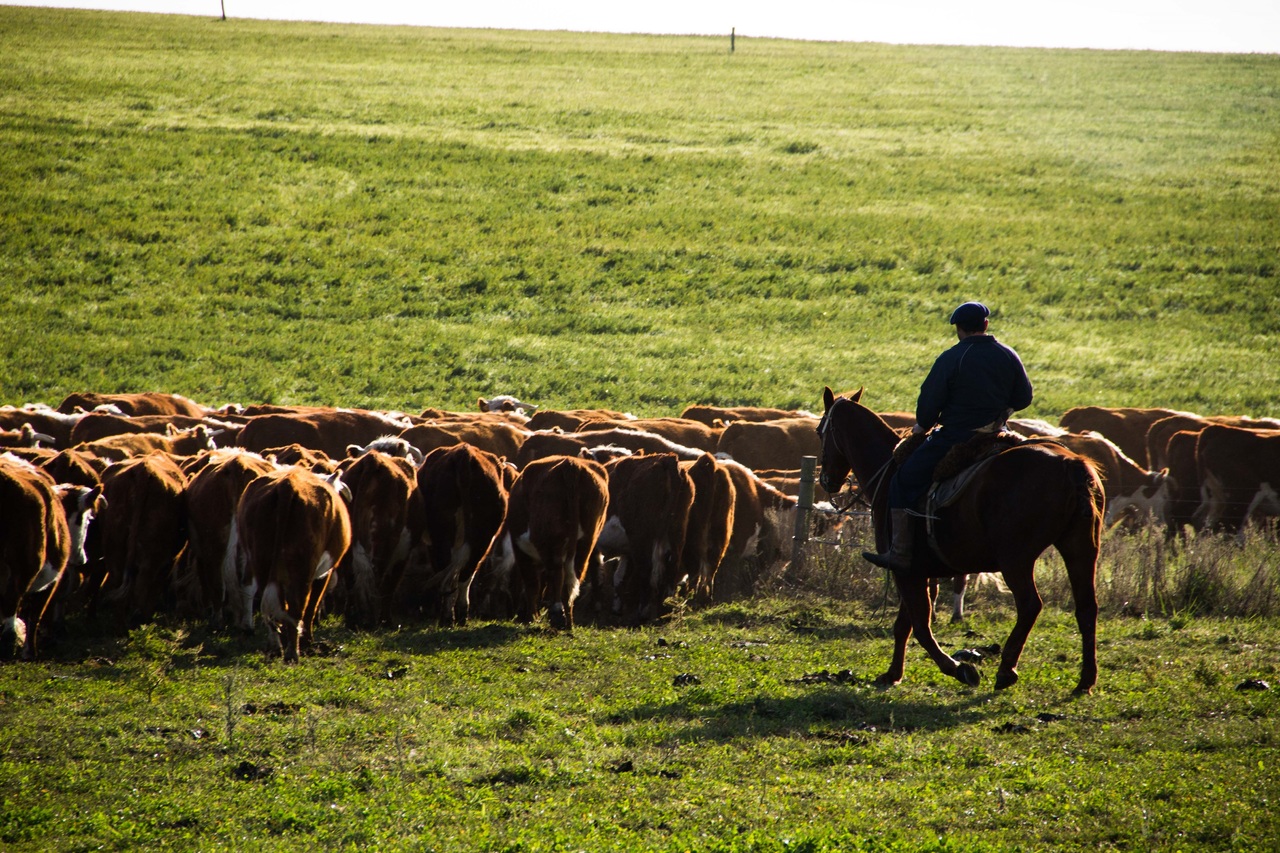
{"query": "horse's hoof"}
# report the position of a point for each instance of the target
(1006, 679)
(887, 680)
(1082, 690)
(968, 674)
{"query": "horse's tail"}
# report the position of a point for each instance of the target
(1091, 502)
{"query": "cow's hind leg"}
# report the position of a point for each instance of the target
(959, 584)
(309, 608)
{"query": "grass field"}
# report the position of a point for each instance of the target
(401, 218)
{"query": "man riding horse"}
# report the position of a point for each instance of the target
(972, 388)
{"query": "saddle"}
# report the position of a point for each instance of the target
(953, 475)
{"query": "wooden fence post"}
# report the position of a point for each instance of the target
(800, 537)
(733, 31)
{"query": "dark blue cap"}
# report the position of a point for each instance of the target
(970, 314)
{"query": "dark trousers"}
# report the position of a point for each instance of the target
(910, 484)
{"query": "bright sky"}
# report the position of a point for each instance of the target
(1230, 26)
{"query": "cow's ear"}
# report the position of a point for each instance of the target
(484, 404)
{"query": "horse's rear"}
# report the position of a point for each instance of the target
(1029, 498)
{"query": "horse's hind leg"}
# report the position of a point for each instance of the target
(1027, 602)
(1082, 567)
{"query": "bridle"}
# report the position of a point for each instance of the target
(873, 484)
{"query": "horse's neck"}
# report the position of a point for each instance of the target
(875, 448)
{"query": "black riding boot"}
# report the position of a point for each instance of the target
(898, 559)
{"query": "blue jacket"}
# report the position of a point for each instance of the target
(976, 382)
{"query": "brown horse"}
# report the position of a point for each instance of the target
(1027, 498)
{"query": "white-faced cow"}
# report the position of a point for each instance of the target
(293, 530)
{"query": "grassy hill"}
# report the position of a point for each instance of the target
(401, 217)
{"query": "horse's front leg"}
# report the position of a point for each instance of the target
(915, 599)
(901, 634)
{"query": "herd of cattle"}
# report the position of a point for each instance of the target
(122, 506)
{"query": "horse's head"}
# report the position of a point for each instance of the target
(836, 465)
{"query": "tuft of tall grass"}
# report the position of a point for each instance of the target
(1141, 572)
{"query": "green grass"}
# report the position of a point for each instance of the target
(497, 737)
(403, 217)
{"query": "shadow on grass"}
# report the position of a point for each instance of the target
(826, 711)
(425, 639)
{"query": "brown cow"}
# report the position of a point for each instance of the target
(710, 525)
(44, 420)
(25, 436)
(571, 420)
(758, 534)
(492, 436)
(772, 444)
(1126, 426)
(328, 431)
(1159, 432)
(679, 430)
(120, 448)
(650, 499)
(1130, 489)
(1239, 475)
(305, 457)
(212, 498)
(544, 444)
(1184, 479)
(148, 403)
(714, 416)
(555, 512)
(463, 502)
(143, 531)
(293, 529)
(382, 498)
(96, 425)
(34, 547)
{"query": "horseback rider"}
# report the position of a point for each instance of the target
(972, 388)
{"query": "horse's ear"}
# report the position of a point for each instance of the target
(856, 395)
(828, 397)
